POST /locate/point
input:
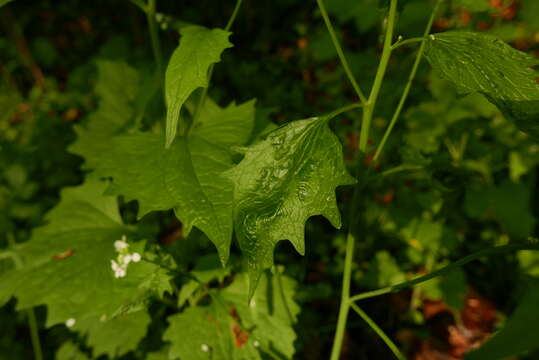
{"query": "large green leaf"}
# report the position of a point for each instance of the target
(232, 329)
(184, 177)
(281, 182)
(477, 62)
(67, 263)
(519, 333)
(117, 88)
(188, 69)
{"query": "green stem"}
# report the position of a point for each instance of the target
(204, 94)
(398, 44)
(140, 5)
(345, 295)
(368, 108)
(390, 344)
(446, 269)
(156, 47)
(36, 344)
(340, 52)
(408, 84)
(379, 79)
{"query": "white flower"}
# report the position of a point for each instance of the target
(135, 257)
(120, 273)
(114, 265)
(256, 343)
(204, 348)
(70, 322)
(126, 259)
(121, 244)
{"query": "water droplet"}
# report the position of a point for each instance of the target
(277, 139)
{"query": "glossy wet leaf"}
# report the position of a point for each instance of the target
(478, 62)
(233, 329)
(67, 263)
(519, 333)
(188, 69)
(280, 183)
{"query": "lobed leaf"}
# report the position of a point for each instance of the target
(67, 263)
(477, 62)
(281, 182)
(188, 69)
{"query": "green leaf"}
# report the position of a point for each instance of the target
(184, 177)
(230, 126)
(4, 2)
(281, 182)
(70, 351)
(188, 69)
(473, 5)
(519, 333)
(232, 329)
(114, 337)
(117, 88)
(477, 62)
(67, 263)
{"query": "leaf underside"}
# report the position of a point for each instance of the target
(477, 62)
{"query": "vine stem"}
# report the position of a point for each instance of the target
(368, 109)
(386, 339)
(34, 331)
(156, 47)
(340, 52)
(421, 279)
(204, 94)
(411, 78)
(34, 334)
(379, 79)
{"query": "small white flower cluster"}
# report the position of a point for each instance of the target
(119, 266)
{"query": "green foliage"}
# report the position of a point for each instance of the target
(231, 328)
(519, 333)
(482, 63)
(69, 262)
(280, 183)
(188, 69)
(119, 252)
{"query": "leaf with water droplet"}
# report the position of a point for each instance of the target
(281, 182)
(478, 62)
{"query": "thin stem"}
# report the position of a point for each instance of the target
(204, 94)
(408, 84)
(398, 44)
(379, 79)
(140, 5)
(345, 295)
(368, 108)
(233, 16)
(446, 269)
(156, 47)
(390, 344)
(340, 52)
(34, 334)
